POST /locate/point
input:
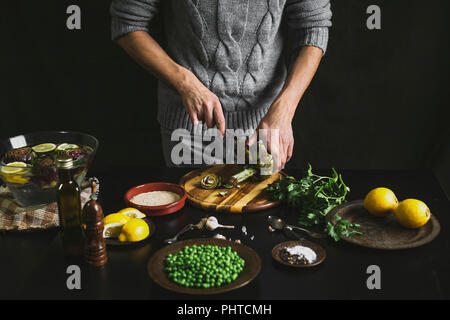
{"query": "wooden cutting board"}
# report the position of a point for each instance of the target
(250, 197)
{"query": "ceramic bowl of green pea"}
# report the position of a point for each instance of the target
(179, 266)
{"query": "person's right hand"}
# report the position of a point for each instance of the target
(200, 103)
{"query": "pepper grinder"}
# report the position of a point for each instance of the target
(95, 247)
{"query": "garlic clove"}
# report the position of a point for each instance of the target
(212, 224)
(225, 227)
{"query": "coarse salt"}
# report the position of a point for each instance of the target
(155, 198)
(302, 251)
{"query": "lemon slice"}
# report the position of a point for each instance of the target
(44, 147)
(116, 218)
(112, 230)
(132, 213)
(66, 146)
(14, 167)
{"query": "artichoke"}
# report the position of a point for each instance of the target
(75, 154)
(210, 181)
(262, 167)
(262, 158)
(45, 173)
(24, 154)
(242, 176)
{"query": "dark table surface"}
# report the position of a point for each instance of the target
(32, 264)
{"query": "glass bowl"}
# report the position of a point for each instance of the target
(33, 185)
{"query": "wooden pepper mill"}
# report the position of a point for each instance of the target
(95, 247)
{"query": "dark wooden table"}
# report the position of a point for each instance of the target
(32, 264)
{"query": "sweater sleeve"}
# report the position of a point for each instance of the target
(131, 15)
(311, 20)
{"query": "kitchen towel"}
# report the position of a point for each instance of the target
(15, 217)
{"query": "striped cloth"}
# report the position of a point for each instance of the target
(15, 217)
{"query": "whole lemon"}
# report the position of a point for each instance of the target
(116, 218)
(134, 230)
(380, 202)
(412, 213)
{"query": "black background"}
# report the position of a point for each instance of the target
(378, 101)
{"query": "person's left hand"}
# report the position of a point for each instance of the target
(280, 138)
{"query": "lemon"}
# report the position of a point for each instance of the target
(20, 179)
(412, 213)
(132, 213)
(14, 167)
(44, 147)
(116, 218)
(66, 146)
(15, 172)
(380, 202)
(134, 230)
(112, 230)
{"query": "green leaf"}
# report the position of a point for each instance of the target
(315, 196)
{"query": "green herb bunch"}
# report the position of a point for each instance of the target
(314, 197)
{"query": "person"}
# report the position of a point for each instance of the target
(225, 62)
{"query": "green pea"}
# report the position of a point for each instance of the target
(203, 266)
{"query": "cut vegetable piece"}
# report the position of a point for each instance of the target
(24, 154)
(45, 173)
(44, 147)
(210, 181)
(66, 146)
(14, 167)
(132, 213)
(116, 218)
(112, 230)
(242, 176)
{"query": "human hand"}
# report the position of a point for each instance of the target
(280, 138)
(200, 103)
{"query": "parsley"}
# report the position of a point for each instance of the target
(314, 197)
(341, 227)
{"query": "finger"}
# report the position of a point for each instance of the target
(253, 138)
(208, 115)
(278, 160)
(219, 118)
(274, 146)
(285, 151)
(271, 148)
(193, 116)
(283, 161)
(200, 114)
(290, 150)
(282, 155)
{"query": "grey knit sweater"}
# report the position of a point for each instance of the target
(234, 47)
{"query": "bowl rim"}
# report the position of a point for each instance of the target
(156, 208)
(94, 151)
(97, 143)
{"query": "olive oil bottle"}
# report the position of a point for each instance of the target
(69, 207)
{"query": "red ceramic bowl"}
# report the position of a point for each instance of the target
(156, 210)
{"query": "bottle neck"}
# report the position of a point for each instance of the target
(65, 175)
